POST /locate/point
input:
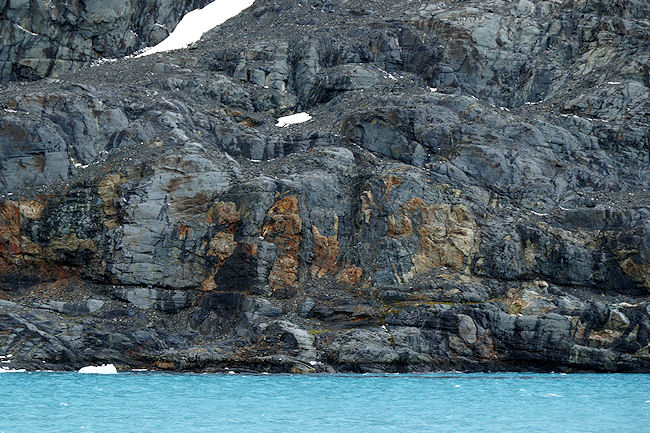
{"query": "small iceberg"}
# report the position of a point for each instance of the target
(99, 369)
(293, 119)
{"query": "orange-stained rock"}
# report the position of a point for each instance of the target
(222, 245)
(18, 254)
(208, 284)
(183, 229)
(447, 235)
(9, 228)
(350, 276)
(32, 209)
(223, 213)
(326, 250)
(165, 365)
(284, 228)
(107, 191)
(14, 246)
(367, 203)
(389, 182)
(637, 271)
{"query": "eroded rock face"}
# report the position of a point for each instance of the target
(471, 193)
(45, 37)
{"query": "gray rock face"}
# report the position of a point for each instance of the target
(470, 193)
(46, 37)
(169, 301)
(74, 308)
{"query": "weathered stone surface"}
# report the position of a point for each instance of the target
(470, 193)
(41, 38)
(169, 301)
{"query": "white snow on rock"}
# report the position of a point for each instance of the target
(293, 119)
(99, 369)
(11, 370)
(195, 23)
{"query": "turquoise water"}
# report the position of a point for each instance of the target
(159, 402)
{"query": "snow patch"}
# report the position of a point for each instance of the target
(27, 31)
(101, 61)
(99, 369)
(12, 370)
(293, 119)
(195, 23)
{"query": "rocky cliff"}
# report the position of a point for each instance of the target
(472, 193)
(39, 38)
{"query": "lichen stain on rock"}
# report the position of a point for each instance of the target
(72, 243)
(31, 209)
(390, 182)
(19, 255)
(223, 213)
(326, 250)
(350, 276)
(367, 203)
(107, 191)
(9, 228)
(638, 272)
(14, 246)
(284, 229)
(182, 230)
(447, 235)
(221, 246)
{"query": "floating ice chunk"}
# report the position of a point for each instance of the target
(99, 369)
(195, 23)
(293, 119)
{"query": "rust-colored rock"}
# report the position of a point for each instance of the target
(367, 203)
(326, 250)
(223, 213)
(222, 245)
(284, 228)
(350, 276)
(447, 234)
(107, 190)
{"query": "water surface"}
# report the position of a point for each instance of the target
(160, 402)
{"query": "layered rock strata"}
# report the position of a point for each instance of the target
(471, 193)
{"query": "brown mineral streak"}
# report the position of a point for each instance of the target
(447, 234)
(284, 228)
(222, 245)
(326, 250)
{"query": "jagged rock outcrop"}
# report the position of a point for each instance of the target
(45, 37)
(471, 193)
